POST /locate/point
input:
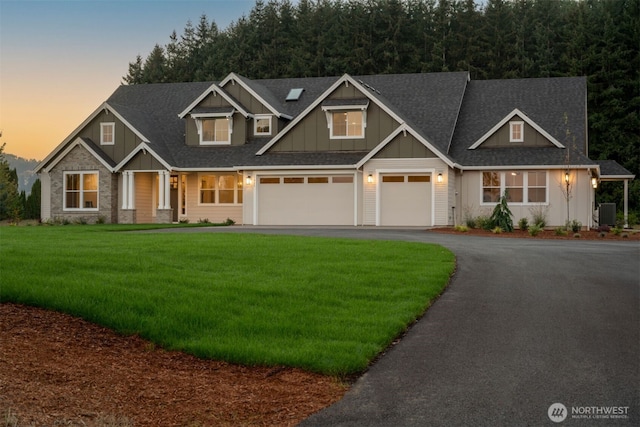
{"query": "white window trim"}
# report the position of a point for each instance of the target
(255, 124)
(104, 125)
(64, 191)
(511, 126)
(198, 119)
(238, 178)
(525, 188)
(329, 110)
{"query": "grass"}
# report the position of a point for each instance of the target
(325, 305)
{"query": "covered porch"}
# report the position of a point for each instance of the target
(612, 171)
(151, 197)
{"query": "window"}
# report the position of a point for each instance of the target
(220, 189)
(81, 191)
(266, 180)
(294, 180)
(537, 187)
(318, 180)
(107, 133)
(514, 186)
(521, 187)
(215, 130)
(516, 131)
(347, 124)
(262, 125)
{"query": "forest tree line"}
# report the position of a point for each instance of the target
(492, 39)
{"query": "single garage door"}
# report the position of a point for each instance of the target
(405, 199)
(305, 200)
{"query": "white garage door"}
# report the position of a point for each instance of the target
(305, 200)
(405, 199)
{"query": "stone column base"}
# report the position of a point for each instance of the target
(126, 216)
(164, 216)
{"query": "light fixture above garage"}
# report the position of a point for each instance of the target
(439, 177)
(248, 181)
(370, 179)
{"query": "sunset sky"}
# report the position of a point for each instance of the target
(59, 60)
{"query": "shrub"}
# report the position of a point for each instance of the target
(184, 220)
(101, 219)
(625, 235)
(604, 228)
(523, 223)
(229, 221)
(484, 222)
(501, 216)
(602, 234)
(81, 220)
(204, 221)
(577, 235)
(539, 215)
(470, 222)
(574, 225)
(560, 231)
(461, 228)
(534, 230)
(496, 230)
(616, 231)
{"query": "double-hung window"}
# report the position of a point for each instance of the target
(220, 189)
(107, 133)
(214, 128)
(516, 131)
(346, 118)
(81, 191)
(521, 187)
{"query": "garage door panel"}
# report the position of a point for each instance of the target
(405, 200)
(307, 200)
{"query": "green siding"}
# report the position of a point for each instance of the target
(125, 139)
(404, 147)
(312, 132)
(240, 124)
(532, 138)
(144, 162)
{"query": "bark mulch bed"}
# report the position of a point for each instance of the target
(633, 235)
(59, 370)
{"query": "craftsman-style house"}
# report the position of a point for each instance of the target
(383, 150)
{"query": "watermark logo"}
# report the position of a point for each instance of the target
(557, 412)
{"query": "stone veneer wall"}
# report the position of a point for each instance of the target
(79, 159)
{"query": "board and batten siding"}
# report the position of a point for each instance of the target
(125, 139)
(441, 192)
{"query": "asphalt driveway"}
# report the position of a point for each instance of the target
(524, 324)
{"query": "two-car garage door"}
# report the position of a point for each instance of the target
(306, 200)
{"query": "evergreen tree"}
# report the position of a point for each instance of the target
(10, 202)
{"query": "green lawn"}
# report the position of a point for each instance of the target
(326, 305)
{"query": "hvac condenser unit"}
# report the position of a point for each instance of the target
(607, 213)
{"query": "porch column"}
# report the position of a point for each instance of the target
(167, 190)
(160, 189)
(131, 192)
(125, 190)
(626, 203)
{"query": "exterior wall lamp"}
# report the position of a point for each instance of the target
(248, 180)
(439, 178)
(594, 182)
(566, 177)
(370, 179)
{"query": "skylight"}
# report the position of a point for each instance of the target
(294, 94)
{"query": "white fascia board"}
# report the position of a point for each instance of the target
(77, 142)
(516, 112)
(233, 77)
(219, 91)
(142, 146)
(616, 177)
(126, 123)
(407, 129)
(229, 169)
(345, 78)
(296, 167)
(523, 167)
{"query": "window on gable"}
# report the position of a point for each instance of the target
(215, 130)
(220, 189)
(262, 126)
(516, 131)
(347, 124)
(107, 133)
(521, 187)
(81, 191)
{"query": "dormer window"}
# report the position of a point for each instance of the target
(214, 128)
(346, 118)
(262, 126)
(107, 133)
(516, 131)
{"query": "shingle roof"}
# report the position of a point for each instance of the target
(545, 101)
(612, 168)
(431, 103)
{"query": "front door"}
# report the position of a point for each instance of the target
(174, 197)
